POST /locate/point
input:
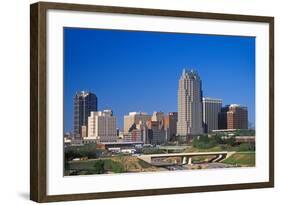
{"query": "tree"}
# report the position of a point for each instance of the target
(230, 141)
(99, 167)
(204, 142)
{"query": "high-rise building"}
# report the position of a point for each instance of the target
(211, 110)
(84, 103)
(156, 132)
(189, 104)
(233, 117)
(170, 124)
(135, 118)
(102, 126)
(222, 118)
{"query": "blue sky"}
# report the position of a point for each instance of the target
(139, 71)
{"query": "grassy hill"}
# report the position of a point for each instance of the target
(108, 165)
(241, 158)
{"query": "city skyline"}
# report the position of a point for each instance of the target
(204, 113)
(155, 81)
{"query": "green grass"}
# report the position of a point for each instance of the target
(114, 166)
(95, 167)
(242, 159)
(117, 164)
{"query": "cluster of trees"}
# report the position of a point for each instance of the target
(205, 142)
(90, 151)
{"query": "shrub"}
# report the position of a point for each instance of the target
(113, 166)
(230, 141)
(204, 142)
(244, 147)
(98, 167)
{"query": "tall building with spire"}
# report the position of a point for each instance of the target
(190, 120)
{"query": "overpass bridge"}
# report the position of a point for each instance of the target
(186, 158)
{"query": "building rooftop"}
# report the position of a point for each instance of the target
(190, 73)
(137, 113)
(83, 93)
(234, 105)
(214, 99)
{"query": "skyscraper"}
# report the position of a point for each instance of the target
(233, 117)
(156, 132)
(211, 110)
(189, 104)
(84, 103)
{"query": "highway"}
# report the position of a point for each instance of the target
(186, 158)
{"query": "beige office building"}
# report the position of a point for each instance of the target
(211, 110)
(189, 104)
(135, 118)
(102, 126)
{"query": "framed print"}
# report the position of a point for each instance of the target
(134, 102)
